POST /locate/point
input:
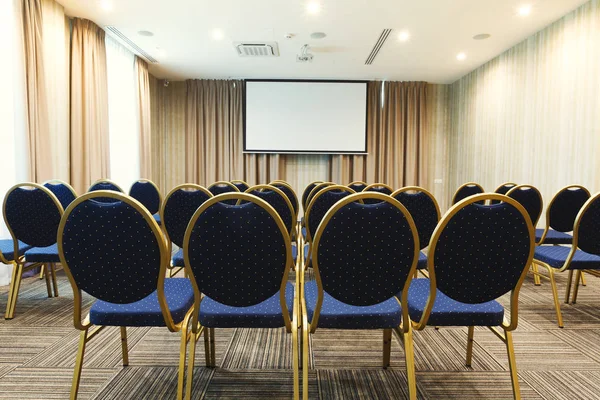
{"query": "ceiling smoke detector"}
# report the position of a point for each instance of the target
(304, 56)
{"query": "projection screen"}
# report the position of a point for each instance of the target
(283, 116)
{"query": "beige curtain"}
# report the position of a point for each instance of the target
(144, 117)
(89, 105)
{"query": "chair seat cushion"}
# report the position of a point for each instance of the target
(422, 263)
(295, 252)
(157, 218)
(337, 315)
(267, 314)
(555, 256)
(43, 254)
(448, 312)
(178, 259)
(146, 312)
(7, 249)
(553, 237)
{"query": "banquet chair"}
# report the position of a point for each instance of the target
(477, 254)
(379, 188)
(146, 192)
(582, 255)
(115, 252)
(561, 214)
(356, 285)
(357, 186)
(315, 189)
(241, 185)
(175, 213)
(105, 184)
(289, 192)
(306, 192)
(503, 189)
(32, 214)
(221, 187)
(224, 253)
(425, 211)
(62, 190)
(466, 190)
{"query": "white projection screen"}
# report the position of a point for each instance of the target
(283, 116)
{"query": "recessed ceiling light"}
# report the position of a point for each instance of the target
(317, 35)
(145, 33)
(218, 34)
(482, 36)
(403, 36)
(106, 5)
(524, 10)
(461, 56)
(313, 7)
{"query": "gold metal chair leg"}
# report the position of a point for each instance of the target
(576, 288)
(124, 346)
(512, 362)
(305, 356)
(78, 364)
(207, 346)
(54, 283)
(47, 276)
(387, 347)
(536, 278)
(213, 357)
(190, 375)
(42, 274)
(409, 356)
(13, 293)
(470, 345)
(568, 290)
(185, 336)
(295, 360)
(555, 295)
(583, 279)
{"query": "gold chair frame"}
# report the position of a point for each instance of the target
(106, 181)
(160, 197)
(464, 185)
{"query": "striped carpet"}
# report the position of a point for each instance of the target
(37, 355)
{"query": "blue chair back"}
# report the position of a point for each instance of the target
(306, 192)
(32, 214)
(239, 255)
(278, 200)
(503, 189)
(62, 190)
(105, 184)
(565, 206)
(381, 256)
(423, 209)
(530, 198)
(179, 207)
(221, 187)
(318, 187)
(480, 252)
(586, 235)
(320, 204)
(113, 250)
(289, 192)
(147, 193)
(377, 188)
(241, 185)
(357, 186)
(467, 190)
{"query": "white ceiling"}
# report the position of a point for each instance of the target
(439, 30)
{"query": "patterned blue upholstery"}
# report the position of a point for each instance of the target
(111, 251)
(481, 252)
(531, 200)
(378, 189)
(305, 194)
(267, 314)
(179, 208)
(242, 186)
(466, 191)
(279, 204)
(177, 260)
(43, 254)
(365, 253)
(220, 189)
(62, 192)
(448, 312)
(33, 216)
(237, 253)
(423, 210)
(104, 185)
(503, 190)
(553, 237)
(7, 249)
(146, 312)
(565, 207)
(146, 193)
(290, 195)
(337, 315)
(321, 205)
(555, 256)
(157, 218)
(357, 187)
(588, 233)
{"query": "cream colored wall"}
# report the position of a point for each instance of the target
(532, 114)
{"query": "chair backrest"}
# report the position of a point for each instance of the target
(62, 190)
(379, 188)
(467, 190)
(480, 252)
(178, 208)
(114, 251)
(105, 184)
(383, 254)
(530, 198)
(147, 193)
(565, 206)
(320, 204)
(238, 255)
(423, 208)
(586, 232)
(357, 186)
(289, 192)
(32, 214)
(221, 187)
(278, 200)
(241, 185)
(306, 192)
(318, 187)
(503, 189)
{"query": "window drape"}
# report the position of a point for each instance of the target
(144, 118)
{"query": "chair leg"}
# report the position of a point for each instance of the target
(568, 290)
(409, 357)
(213, 362)
(512, 362)
(578, 275)
(190, 375)
(13, 293)
(470, 345)
(536, 278)
(124, 346)
(555, 295)
(42, 268)
(387, 347)
(295, 360)
(185, 336)
(207, 346)
(583, 279)
(47, 276)
(54, 283)
(305, 356)
(78, 365)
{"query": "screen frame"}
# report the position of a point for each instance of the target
(254, 151)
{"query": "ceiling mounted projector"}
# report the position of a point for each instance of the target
(304, 55)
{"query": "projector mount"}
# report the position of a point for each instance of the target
(304, 55)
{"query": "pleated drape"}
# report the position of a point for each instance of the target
(144, 117)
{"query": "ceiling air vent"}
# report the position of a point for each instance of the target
(378, 45)
(124, 40)
(252, 49)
